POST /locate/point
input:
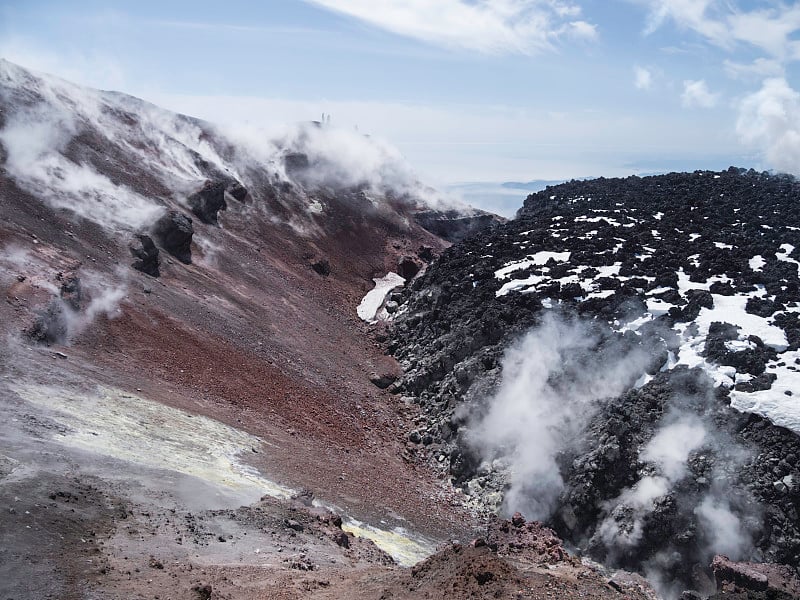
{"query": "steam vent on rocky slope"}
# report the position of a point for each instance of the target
(240, 367)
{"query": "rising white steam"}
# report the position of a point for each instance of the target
(34, 142)
(337, 158)
(70, 146)
(724, 529)
(62, 321)
(667, 452)
(44, 115)
(553, 382)
(769, 122)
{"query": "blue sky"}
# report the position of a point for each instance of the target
(468, 90)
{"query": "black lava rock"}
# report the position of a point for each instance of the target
(174, 233)
(238, 191)
(322, 267)
(407, 268)
(208, 201)
(625, 250)
(145, 252)
(296, 163)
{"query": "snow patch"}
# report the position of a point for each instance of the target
(757, 262)
(538, 259)
(520, 284)
(731, 309)
(780, 404)
(372, 303)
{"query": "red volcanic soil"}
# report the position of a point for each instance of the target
(252, 336)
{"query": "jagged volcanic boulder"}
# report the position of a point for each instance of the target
(145, 252)
(382, 380)
(208, 201)
(321, 267)
(408, 268)
(296, 163)
(70, 290)
(174, 233)
(238, 191)
(425, 253)
(50, 324)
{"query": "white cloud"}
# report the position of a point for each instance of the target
(769, 30)
(580, 30)
(697, 95)
(769, 121)
(643, 78)
(723, 24)
(489, 26)
(759, 69)
(691, 14)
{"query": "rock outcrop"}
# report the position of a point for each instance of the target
(238, 191)
(145, 252)
(321, 267)
(208, 201)
(754, 580)
(174, 233)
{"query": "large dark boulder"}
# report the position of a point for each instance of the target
(754, 580)
(70, 291)
(407, 268)
(762, 307)
(145, 252)
(51, 324)
(322, 267)
(208, 201)
(238, 191)
(174, 233)
(697, 300)
(750, 356)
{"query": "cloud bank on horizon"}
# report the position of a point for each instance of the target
(469, 90)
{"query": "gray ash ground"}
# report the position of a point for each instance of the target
(697, 271)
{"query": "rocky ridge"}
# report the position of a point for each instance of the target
(696, 275)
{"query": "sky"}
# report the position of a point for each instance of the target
(467, 90)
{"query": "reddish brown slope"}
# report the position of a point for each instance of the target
(251, 336)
